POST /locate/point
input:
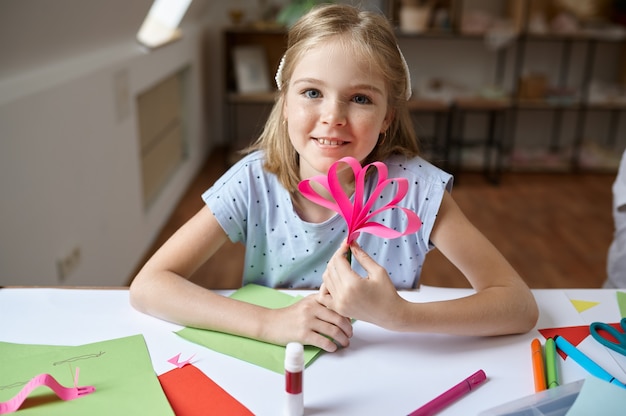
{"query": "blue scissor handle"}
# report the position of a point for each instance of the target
(620, 345)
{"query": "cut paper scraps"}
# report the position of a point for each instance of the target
(357, 215)
(269, 356)
(583, 305)
(175, 360)
(64, 393)
(574, 334)
(191, 393)
(120, 370)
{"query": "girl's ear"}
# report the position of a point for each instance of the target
(387, 121)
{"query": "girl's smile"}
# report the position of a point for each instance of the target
(330, 142)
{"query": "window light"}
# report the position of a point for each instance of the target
(161, 23)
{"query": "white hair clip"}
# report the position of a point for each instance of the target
(279, 75)
(409, 90)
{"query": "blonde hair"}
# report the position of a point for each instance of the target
(369, 34)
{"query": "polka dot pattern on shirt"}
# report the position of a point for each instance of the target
(284, 251)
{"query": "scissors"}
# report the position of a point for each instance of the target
(620, 336)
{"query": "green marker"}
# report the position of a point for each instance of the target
(552, 377)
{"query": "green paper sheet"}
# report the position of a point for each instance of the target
(120, 370)
(621, 302)
(266, 355)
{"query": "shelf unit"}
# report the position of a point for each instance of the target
(503, 117)
(445, 146)
(558, 113)
(580, 105)
(273, 43)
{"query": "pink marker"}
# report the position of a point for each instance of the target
(294, 369)
(445, 399)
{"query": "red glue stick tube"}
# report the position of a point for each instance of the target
(294, 369)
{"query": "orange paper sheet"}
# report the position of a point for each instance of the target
(190, 393)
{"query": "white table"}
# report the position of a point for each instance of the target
(381, 373)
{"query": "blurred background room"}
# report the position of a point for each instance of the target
(115, 116)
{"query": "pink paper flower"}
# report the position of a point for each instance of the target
(357, 214)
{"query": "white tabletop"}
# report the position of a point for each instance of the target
(381, 373)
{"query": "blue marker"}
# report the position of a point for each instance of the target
(585, 362)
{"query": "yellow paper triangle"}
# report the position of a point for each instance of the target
(583, 305)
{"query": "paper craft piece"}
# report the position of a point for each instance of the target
(119, 369)
(357, 215)
(621, 302)
(266, 355)
(597, 397)
(190, 393)
(64, 393)
(583, 305)
(180, 364)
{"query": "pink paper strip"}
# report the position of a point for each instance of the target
(64, 393)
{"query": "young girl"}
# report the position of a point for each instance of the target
(343, 87)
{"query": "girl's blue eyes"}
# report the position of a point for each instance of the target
(359, 99)
(312, 94)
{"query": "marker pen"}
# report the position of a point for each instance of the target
(539, 371)
(294, 369)
(552, 374)
(449, 396)
(585, 362)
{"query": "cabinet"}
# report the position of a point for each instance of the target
(532, 106)
(255, 106)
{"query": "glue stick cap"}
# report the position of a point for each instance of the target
(294, 357)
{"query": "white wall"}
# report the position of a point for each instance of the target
(69, 166)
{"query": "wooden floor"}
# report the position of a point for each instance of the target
(554, 228)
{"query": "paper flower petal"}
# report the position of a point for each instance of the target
(357, 213)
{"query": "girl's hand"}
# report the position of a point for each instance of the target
(310, 323)
(372, 298)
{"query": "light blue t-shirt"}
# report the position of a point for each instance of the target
(283, 251)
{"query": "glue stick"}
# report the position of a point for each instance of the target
(294, 368)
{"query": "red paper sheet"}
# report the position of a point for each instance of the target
(574, 334)
(190, 393)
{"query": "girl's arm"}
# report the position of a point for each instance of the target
(161, 289)
(502, 304)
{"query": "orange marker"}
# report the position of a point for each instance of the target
(539, 371)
